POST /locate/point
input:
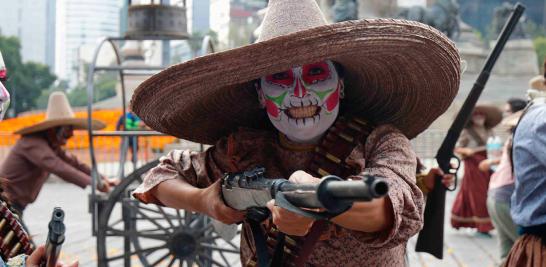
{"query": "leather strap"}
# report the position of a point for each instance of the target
(260, 243)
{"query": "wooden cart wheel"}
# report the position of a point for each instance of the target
(131, 233)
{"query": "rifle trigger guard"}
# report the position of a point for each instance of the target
(281, 201)
(454, 170)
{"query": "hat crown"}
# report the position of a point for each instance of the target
(58, 107)
(288, 16)
(538, 83)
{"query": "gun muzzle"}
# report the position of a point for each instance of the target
(55, 238)
(333, 193)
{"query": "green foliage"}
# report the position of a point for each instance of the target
(105, 87)
(534, 30)
(540, 48)
(26, 80)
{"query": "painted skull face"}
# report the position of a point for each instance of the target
(4, 100)
(302, 102)
(4, 95)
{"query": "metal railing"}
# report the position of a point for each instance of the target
(109, 148)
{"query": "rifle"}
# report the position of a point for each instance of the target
(431, 237)
(55, 238)
(251, 190)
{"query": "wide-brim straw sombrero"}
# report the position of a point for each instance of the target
(493, 114)
(396, 71)
(59, 113)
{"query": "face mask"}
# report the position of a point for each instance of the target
(4, 100)
(478, 120)
(302, 102)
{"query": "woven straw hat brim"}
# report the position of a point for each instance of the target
(400, 72)
(77, 123)
(493, 115)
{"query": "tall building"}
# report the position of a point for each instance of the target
(80, 24)
(200, 16)
(33, 22)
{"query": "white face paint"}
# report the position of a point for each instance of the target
(4, 100)
(302, 102)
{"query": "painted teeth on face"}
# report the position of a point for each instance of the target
(303, 112)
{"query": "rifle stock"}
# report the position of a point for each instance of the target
(431, 237)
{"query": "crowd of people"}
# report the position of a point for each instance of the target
(306, 113)
(492, 194)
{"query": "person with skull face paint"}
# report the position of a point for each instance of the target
(4, 94)
(344, 93)
(470, 209)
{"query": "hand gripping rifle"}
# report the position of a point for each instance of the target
(251, 190)
(55, 238)
(431, 237)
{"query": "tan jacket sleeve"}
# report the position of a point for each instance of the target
(199, 169)
(388, 154)
(73, 160)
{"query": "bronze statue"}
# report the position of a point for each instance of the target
(344, 10)
(443, 15)
(500, 16)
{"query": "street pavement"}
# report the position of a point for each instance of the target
(462, 248)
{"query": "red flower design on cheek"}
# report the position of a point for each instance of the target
(272, 109)
(333, 100)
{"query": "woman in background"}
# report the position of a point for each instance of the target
(469, 209)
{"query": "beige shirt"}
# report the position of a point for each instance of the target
(387, 153)
(30, 162)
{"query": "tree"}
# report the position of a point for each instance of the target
(540, 48)
(105, 87)
(26, 80)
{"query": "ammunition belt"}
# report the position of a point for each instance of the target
(14, 239)
(328, 159)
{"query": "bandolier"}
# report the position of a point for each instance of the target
(328, 159)
(14, 240)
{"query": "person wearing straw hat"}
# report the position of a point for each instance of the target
(35, 258)
(469, 209)
(358, 90)
(528, 207)
(501, 184)
(39, 152)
